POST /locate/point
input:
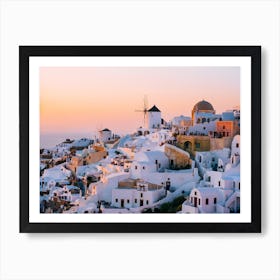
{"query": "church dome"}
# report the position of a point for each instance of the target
(203, 106)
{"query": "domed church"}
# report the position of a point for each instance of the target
(203, 111)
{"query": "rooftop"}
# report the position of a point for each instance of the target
(203, 106)
(154, 109)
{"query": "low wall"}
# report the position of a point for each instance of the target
(178, 158)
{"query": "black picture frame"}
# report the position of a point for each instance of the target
(254, 52)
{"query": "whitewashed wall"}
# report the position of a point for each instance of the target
(154, 120)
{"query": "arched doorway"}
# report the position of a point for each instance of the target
(188, 145)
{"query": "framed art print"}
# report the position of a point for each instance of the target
(140, 138)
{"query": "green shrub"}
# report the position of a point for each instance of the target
(172, 207)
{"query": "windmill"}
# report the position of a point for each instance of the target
(98, 128)
(145, 109)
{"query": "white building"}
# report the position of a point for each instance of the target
(235, 146)
(160, 137)
(213, 160)
(235, 153)
(181, 124)
(202, 128)
(177, 121)
(102, 190)
(81, 143)
(55, 175)
(141, 195)
(202, 200)
(105, 135)
(148, 162)
(69, 193)
(154, 118)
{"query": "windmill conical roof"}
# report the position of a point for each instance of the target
(154, 109)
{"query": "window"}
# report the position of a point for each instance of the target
(147, 202)
(199, 201)
(159, 165)
(239, 185)
(143, 167)
(135, 166)
(206, 201)
(156, 161)
(224, 127)
(117, 200)
(128, 201)
(135, 200)
(194, 193)
(219, 183)
(215, 200)
(197, 145)
(237, 145)
(141, 195)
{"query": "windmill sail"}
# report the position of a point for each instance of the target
(144, 110)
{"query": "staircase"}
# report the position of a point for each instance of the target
(232, 198)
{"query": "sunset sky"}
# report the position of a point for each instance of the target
(87, 99)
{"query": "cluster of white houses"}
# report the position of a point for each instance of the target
(219, 191)
(150, 177)
(160, 158)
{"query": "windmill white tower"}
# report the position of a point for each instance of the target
(154, 118)
(145, 111)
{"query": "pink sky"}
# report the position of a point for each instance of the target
(86, 99)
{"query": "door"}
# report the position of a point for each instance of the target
(141, 202)
(195, 201)
(122, 203)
